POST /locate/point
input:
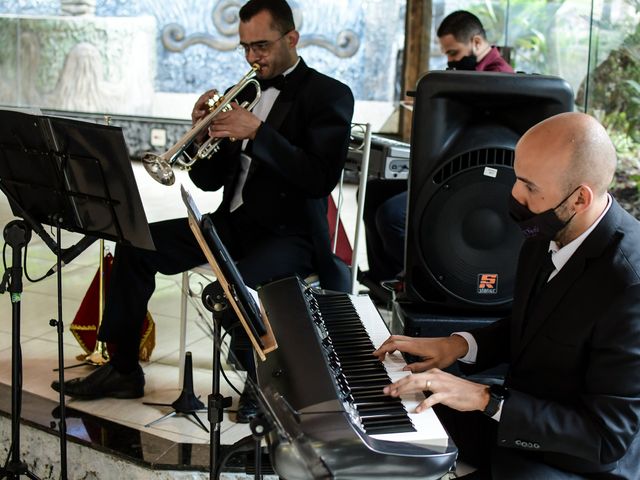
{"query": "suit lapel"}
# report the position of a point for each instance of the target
(524, 288)
(550, 297)
(527, 324)
(284, 102)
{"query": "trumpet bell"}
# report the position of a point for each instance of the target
(159, 169)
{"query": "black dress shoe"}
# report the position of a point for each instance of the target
(105, 381)
(247, 407)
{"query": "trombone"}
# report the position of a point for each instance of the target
(160, 167)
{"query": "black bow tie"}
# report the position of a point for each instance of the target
(275, 82)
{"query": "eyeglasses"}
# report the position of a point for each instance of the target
(259, 48)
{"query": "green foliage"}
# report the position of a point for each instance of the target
(530, 26)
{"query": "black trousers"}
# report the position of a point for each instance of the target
(384, 216)
(475, 435)
(259, 254)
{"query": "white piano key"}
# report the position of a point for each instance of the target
(429, 430)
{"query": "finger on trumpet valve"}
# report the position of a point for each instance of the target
(213, 101)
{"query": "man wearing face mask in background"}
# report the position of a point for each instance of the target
(570, 404)
(463, 40)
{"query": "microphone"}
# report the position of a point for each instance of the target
(68, 254)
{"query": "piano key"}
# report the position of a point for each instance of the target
(426, 423)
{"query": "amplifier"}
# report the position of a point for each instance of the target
(389, 159)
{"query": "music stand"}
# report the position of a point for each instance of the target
(72, 175)
(229, 290)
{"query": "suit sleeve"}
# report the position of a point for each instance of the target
(601, 422)
(211, 174)
(313, 165)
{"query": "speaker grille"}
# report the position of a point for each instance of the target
(465, 235)
(475, 158)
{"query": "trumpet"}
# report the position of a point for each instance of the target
(160, 167)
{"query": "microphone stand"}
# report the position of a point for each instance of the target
(17, 235)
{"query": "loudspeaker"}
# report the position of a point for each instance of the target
(461, 246)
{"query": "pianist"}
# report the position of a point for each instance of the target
(570, 404)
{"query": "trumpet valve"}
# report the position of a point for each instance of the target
(213, 102)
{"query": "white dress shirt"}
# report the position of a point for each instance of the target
(261, 110)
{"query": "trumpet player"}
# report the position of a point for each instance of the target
(276, 165)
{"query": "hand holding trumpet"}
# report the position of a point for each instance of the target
(236, 124)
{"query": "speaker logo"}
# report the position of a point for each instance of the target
(488, 283)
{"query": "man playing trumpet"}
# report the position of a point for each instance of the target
(285, 160)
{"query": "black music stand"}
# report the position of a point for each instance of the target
(227, 291)
(72, 175)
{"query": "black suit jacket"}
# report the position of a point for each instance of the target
(297, 157)
(574, 375)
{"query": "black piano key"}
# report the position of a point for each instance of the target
(374, 410)
(371, 399)
(360, 375)
(380, 429)
(387, 420)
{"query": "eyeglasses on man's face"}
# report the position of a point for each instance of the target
(260, 48)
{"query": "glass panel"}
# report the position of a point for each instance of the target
(593, 44)
(154, 57)
(613, 92)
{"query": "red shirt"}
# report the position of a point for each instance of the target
(493, 62)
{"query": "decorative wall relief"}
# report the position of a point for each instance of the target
(190, 48)
(79, 62)
(226, 20)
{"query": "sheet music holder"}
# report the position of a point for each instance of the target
(252, 317)
(78, 174)
(75, 176)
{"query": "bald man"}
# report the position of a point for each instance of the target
(570, 403)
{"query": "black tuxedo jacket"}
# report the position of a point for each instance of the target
(297, 157)
(574, 375)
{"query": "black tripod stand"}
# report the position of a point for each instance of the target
(187, 403)
(16, 234)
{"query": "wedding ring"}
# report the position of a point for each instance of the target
(429, 385)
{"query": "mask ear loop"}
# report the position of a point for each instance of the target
(565, 199)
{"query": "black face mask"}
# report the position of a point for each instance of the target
(465, 63)
(542, 226)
